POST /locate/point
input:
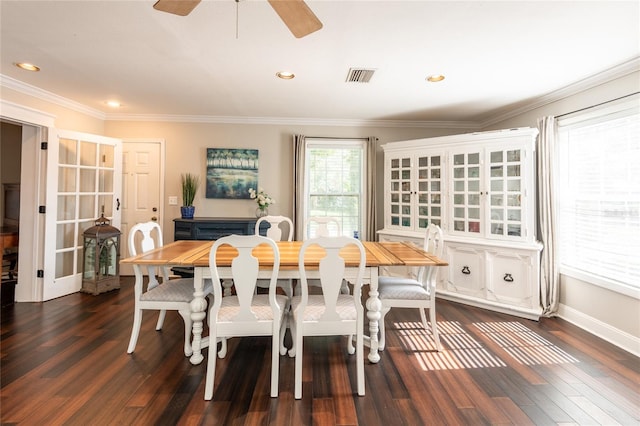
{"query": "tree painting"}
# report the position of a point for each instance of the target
(231, 172)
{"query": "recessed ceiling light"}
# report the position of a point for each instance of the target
(285, 75)
(435, 78)
(27, 66)
(113, 104)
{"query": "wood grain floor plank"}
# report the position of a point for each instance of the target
(515, 413)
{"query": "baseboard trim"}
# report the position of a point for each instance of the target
(601, 329)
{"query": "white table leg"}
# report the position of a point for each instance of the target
(373, 313)
(198, 313)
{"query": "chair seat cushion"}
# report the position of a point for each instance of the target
(261, 307)
(399, 290)
(315, 307)
(180, 290)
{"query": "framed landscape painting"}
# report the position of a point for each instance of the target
(231, 172)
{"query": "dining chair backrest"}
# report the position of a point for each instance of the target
(331, 269)
(244, 269)
(433, 244)
(275, 231)
(322, 226)
(144, 237)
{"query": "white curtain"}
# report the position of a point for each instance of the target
(547, 153)
(369, 210)
(299, 153)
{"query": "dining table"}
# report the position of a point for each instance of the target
(195, 254)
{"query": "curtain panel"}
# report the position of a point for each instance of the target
(547, 153)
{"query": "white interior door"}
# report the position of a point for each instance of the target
(84, 181)
(142, 187)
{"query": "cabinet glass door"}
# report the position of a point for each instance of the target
(400, 192)
(466, 193)
(506, 192)
(429, 181)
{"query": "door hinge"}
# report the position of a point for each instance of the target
(42, 209)
(44, 145)
(40, 273)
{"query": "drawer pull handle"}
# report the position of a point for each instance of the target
(465, 270)
(508, 278)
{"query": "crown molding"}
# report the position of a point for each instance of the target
(590, 82)
(36, 92)
(288, 121)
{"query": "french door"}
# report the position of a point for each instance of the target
(84, 181)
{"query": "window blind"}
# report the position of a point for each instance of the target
(599, 196)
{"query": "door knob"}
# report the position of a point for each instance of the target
(155, 209)
(153, 218)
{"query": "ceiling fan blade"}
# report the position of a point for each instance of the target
(177, 7)
(297, 16)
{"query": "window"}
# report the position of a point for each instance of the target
(335, 181)
(599, 196)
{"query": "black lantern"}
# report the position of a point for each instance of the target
(101, 263)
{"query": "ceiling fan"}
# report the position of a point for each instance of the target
(295, 14)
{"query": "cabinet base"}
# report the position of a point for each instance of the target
(532, 314)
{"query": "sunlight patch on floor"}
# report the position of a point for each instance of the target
(523, 344)
(459, 349)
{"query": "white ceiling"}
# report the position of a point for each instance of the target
(495, 55)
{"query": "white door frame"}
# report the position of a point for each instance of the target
(35, 129)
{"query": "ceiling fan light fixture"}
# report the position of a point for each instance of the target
(285, 75)
(435, 78)
(114, 104)
(27, 66)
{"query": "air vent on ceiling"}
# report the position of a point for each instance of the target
(360, 75)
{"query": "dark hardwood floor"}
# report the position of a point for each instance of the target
(65, 362)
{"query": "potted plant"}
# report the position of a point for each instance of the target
(190, 184)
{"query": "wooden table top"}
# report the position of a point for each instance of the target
(196, 253)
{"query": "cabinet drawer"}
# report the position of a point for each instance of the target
(510, 278)
(466, 270)
(183, 231)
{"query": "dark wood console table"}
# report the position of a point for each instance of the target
(211, 228)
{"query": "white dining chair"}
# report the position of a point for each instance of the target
(276, 232)
(409, 292)
(330, 313)
(245, 313)
(161, 295)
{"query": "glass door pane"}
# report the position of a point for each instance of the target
(429, 190)
(506, 192)
(400, 192)
(467, 211)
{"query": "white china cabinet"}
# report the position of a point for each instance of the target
(480, 189)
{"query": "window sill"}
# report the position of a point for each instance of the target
(598, 281)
